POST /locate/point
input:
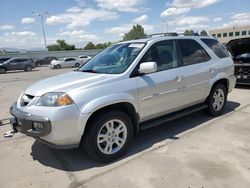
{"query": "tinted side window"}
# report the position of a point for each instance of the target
(192, 52)
(21, 60)
(164, 54)
(70, 59)
(216, 47)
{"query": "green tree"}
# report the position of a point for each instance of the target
(103, 45)
(53, 47)
(189, 32)
(90, 46)
(196, 34)
(137, 32)
(203, 33)
(60, 46)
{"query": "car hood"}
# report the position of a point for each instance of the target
(239, 46)
(67, 82)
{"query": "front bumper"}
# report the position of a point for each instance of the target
(60, 128)
(25, 123)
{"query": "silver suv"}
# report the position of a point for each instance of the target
(127, 87)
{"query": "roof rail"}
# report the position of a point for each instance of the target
(162, 34)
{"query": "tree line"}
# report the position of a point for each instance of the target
(137, 32)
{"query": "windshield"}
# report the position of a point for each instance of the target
(113, 60)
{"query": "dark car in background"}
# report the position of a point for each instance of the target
(3, 59)
(240, 50)
(44, 61)
(25, 64)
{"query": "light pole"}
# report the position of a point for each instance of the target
(42, 15)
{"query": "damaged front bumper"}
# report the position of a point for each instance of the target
(29, 124)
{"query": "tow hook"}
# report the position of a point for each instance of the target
(8, 121)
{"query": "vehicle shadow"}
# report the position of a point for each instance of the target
(21, 71)
(242, 86)
(76, 159)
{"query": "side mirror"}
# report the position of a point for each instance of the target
(147, 67)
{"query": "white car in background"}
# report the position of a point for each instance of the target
(83, 59)
(65, 63)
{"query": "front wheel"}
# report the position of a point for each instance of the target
(28, 68)
(217, 99)
(77, 65)
(2, 70)
(109, 136)
(58, 66)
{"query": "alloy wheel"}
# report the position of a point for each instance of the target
(218, 99)
(112, 136)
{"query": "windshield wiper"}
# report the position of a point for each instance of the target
(89, 70)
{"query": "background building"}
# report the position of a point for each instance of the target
(226, 34)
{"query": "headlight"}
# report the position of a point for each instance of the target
(53, 99)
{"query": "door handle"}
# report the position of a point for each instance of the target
(179, 78)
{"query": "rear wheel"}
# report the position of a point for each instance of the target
(38, 64)
(109, 136)
(28, 68)
(2, 70)
(217, 99)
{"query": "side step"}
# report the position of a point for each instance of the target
(172, 116)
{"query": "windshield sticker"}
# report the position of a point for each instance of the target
(136, 45)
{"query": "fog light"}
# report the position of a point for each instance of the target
(38, 125)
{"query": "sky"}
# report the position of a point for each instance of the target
(81, 21)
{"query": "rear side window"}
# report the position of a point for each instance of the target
(216, 47)
(70, 59)
(192, 52)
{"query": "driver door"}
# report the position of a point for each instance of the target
(12, 65)
(160, 92)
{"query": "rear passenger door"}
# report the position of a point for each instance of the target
(159, 92)
(21, 63)
(196, 70)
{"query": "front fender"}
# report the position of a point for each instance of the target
(101, 102)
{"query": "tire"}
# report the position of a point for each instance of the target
(58, 66)
(77, 65)
(216, 100)
(28, 68)
(38, 65)
(2, 70)
(106, 149)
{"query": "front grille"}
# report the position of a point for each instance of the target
(242, 70)
(25, 99)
